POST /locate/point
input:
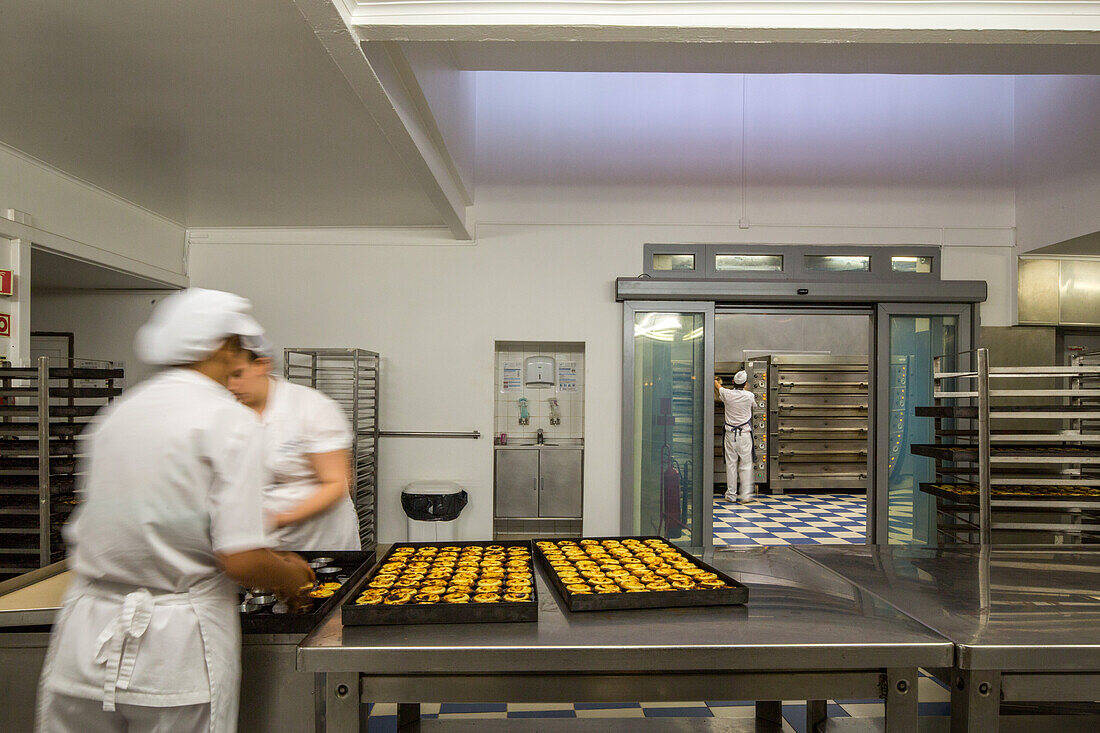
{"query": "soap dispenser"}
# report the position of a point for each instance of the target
(524, 413)
(555, 411)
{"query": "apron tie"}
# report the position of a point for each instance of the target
(743, 427)
(119, 643)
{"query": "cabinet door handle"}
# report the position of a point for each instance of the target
(536, 486)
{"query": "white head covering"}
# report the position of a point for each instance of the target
(190, 325)
(263, 348)
(741, 377)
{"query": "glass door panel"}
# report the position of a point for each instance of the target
(670, 397)
(914, 340)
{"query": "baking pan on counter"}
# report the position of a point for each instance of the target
(442, 612)
(355, 564)
(732, 595)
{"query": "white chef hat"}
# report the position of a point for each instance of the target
(741, 377)
(262, 348)
(190, 325)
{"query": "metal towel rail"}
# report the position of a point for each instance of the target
(472, 434)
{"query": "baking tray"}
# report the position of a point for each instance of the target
(1046, 453)
(442, 613)
(265, 622)
(968, 493)
(735, 595)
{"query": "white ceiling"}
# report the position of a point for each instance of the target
(51, 271)
(211, 113)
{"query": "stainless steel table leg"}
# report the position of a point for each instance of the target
(340, 703)
(901, 700)
(816, 714)
(975, 702)
(408, 717)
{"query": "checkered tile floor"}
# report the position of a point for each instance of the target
(935, 701)
(792, 519)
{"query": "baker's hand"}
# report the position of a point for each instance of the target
(301, 574)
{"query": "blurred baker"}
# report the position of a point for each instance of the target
(170, 522)
(738, 443)
(307, 450)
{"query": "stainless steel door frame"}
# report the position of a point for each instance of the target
(560, 482)
(626, 485)
(516, 483)
(878, 491)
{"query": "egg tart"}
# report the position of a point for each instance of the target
(368, 601)
(515, 597)
(682, 584)
(607, 589)
(321, 593)
(457, 598)
(577, 588)
(487, 598)
(658, 586)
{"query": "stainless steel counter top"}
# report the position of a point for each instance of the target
(799, 617)
(1006, 609)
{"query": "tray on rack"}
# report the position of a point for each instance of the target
(445, 611)
(968, 493)
(265, 621)
(1071, 453)
(970, 412)
(732, 594)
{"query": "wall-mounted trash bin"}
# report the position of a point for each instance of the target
(432, 508)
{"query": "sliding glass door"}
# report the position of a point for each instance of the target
(668, 373)
(908, 338)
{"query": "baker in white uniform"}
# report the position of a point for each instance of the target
(307, 452)
(738, 444)
(170, 520)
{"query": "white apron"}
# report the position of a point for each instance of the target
(118, 645)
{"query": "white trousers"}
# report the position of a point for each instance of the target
(65, 714)
(739, 463)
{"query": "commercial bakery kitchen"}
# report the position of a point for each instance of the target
(515, 244)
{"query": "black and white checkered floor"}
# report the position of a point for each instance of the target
(935, 701)
(792, 519)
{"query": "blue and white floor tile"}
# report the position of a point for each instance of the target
(935, 702)
(792, 519)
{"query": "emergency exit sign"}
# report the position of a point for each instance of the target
(5, 325)
(6, 282)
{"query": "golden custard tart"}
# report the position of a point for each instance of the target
(368, 601)
(487, 598)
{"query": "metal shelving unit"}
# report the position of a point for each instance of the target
(351, 377)
(43, 410)
(1025, 485)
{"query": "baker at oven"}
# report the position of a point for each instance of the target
(170, 521)
(307, 452)
(738, 443)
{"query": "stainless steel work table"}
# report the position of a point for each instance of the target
(805, 634)
(1025, 622)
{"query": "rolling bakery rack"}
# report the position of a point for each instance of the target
(43, 410)
(351, 377)
(1019, 463)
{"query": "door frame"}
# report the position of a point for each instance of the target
(969, 324)
(630, 309)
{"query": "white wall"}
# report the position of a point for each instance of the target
(1057, 159)
(103, 323)
(435, 313)
(775, 150)
(63, 205)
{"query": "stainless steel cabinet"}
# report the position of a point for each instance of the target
(517, 482)
(560, 483)
(533, 482)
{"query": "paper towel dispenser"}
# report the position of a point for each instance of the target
(539, 372)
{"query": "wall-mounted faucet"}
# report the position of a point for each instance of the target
(541, 437)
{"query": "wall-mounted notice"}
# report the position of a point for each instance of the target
(511, 377)
(567, 376)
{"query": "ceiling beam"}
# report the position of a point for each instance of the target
(384, 91)
(866, 21)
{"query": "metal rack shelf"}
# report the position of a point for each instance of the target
(43, 411)
(351, 378)
(1020, 482)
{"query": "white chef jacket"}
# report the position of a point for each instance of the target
(738, 403)
(174, 475)
(298, 421)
